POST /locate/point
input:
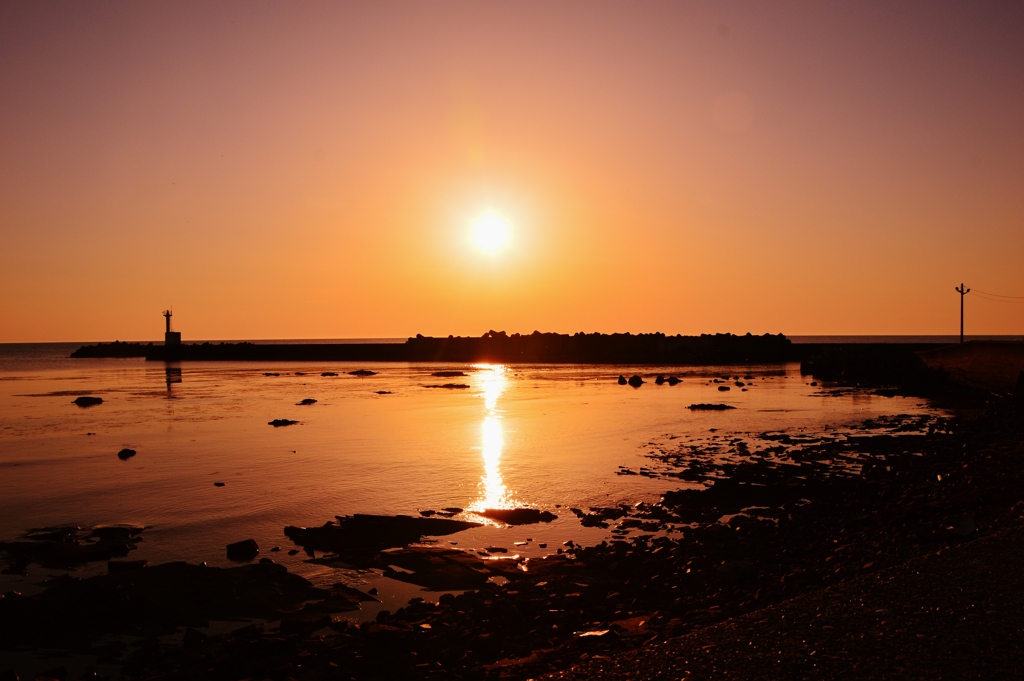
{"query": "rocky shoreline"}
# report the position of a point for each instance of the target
(780, 517)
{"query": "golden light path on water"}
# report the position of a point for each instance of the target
(493, 493)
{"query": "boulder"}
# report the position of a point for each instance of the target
(622, 380)
(518, 516)
(125, 454)
(88, 401)
(243, 551)
(635, 381)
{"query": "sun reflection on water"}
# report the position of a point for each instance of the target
(493, 493)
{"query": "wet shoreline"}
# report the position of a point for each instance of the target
(798, 516)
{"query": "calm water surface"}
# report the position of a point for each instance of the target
(550, 437)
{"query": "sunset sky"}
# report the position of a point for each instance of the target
(306, 170)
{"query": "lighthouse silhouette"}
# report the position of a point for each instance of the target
(171, 338)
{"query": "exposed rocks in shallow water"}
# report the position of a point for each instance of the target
(88, 401)
(218, 484)
(724, 388)
(436, 569)
(243, 551)
(622, 380)
(517, 516)
(660, 379)
(450, 386)
(635, 381)
(308, 400)
(704, 406)
(358, 538)
(449, 374)
(329, 373)
(277, 423)
(271, 373)
(362, 372)
(126, 454)
(69, 546)
(383, 392)
(672, 380)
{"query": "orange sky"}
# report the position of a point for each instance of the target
(293, 170)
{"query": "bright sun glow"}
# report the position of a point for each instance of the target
(490, 232)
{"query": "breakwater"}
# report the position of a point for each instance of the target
(494, 346)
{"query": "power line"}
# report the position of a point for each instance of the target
(999, 300)
(998, 295)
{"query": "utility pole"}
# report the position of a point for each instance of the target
(963, 291)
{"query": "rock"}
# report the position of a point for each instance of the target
(448, 374)
(740, 384)
(450, 386)
(518, 516)
(635, 381)
(452, 509)
(496, 549)
(362, 372)
(659, 380)
(723, 388)
(329, 373)
(622, 380)
(275, 549)
(277, 423)
(427, 513)
(88, 401)
(270, 373)
(218, 484)
(383, 392)
(243, 551)
(358, 538)
(115, 566)
(308, 400)
(126, 454)
(672, 380)
(703, 406)
(56, 674)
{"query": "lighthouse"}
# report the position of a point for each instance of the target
(171, 338)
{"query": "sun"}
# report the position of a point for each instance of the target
(491, 232)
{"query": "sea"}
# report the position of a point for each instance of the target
(550, 437)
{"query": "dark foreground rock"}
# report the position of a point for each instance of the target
(277, 423)
(308, 400)
(362, 372)
(88, 401)
(449, 374)
(126, 454)
(704, 406)
(449, 386)
(150, 601)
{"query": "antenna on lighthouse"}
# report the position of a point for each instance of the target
(167, 316)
